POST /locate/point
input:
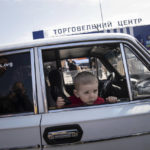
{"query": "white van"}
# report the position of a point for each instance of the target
(33, 75)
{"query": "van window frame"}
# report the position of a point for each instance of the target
(34, 97)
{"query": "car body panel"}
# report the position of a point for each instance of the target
(138, 143)
(103, 124)
(123, 125)
(20, 132)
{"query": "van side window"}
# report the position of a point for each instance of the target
(139, 75)
(15, 84)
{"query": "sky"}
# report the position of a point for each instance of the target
(19, 18)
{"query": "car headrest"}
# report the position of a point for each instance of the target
(55, 78)
(56, 84)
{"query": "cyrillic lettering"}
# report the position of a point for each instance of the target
(69, 29)
(54, 31)
(139, 20)
(120, 23)
(104, 25)
(130, 21)
(73, 29)
(78, 28)
(99, 26)
(109, 24)
(59, 31)
(83, 27)
(64, 30)
(125, 22)
(88, 27)
(94, 26)
(135, 21)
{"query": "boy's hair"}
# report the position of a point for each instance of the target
(84, 78)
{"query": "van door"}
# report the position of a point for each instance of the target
(19, 121)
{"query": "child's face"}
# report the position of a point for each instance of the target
(87, 93)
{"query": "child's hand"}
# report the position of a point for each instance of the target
(111, 99)
(60, 102)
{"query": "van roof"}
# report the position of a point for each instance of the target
(68, 39)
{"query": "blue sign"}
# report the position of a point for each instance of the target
(38, 34)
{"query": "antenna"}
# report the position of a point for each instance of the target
(101, 12)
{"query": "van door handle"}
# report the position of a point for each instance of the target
(63, 134)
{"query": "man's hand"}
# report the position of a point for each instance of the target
(60, 102)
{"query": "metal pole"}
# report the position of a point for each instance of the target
(100, 6)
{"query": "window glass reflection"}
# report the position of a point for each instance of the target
(139, 75)
(15, 84)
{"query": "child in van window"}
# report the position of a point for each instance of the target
(85, 92)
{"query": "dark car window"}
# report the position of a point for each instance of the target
(15, 84)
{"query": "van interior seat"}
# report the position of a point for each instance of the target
(57, 85)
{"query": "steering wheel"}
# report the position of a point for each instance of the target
(107, 85)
